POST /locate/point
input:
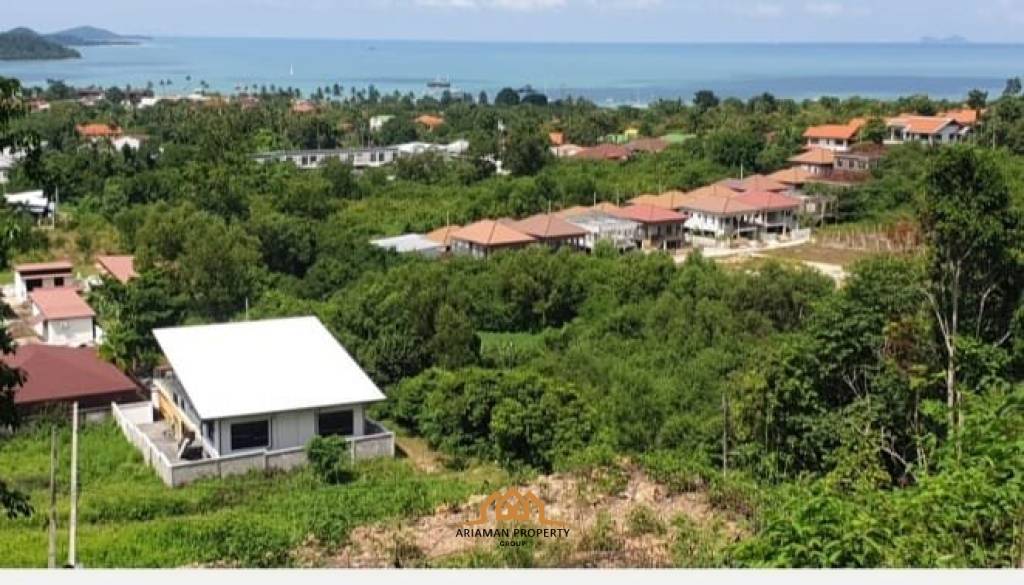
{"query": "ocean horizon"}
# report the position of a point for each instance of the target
(613, 73)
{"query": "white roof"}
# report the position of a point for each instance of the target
(259, 367)
(408, 243)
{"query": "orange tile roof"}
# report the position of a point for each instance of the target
(652, 145)
(547, 226)
(605, 207)
(667, 200)
(572, 211)
(491, 233)
(431, 122)
(715, 190)
(753, 183)
(60, 303)
(716, 203)
(648, 214)
(815, 156)
(921, 124)
(793, 176)
(443, 235)
(120, 267)
(768, 200)
(97, 130)
(963, 116)
(834, 131)
(604, 152)
(556, 138)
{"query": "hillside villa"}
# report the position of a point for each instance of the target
(835, 137)
(215, 413)
(485, 237)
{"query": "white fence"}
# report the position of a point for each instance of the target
(379, 444)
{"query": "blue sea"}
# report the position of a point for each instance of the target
(605, 73)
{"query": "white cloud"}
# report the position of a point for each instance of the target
(513, 5)
(759, 10)
(825, 8)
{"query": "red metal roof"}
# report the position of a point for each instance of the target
(65, 373)
(120, 267)
(60, 303)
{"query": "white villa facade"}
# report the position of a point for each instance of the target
(251, 395)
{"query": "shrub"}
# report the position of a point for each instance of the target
(331, 459)
(643, 520)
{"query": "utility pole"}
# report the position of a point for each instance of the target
(51, 551)
(73, 522)
(725, 433)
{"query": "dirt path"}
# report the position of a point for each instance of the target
(605, 521)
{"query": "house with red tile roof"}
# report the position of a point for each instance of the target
(660, 228)
(549, 229)
(931, 130)
(613, 152)
(60, 316)
(964, 116)
(776, 213)
(431, 122)
(29, 277)
(833, 136)
(485, 237)
(96, 131)
(443, 236)
(816, 161)
(120, 268)
(62, 375)
(719, 214)
(753, 183)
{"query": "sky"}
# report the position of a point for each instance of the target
(538, 20)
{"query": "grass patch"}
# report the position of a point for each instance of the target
(128, 518)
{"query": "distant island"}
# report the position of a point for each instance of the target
(86, 36)
(950, 40)
(24, 44)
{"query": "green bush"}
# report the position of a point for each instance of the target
(331, 459)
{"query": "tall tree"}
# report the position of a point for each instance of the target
(13, 502)
(972, 232)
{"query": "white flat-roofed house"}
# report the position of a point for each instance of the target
(61, 317)
(265, 389)
(377, 122)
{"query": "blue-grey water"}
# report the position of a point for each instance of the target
(605, 73)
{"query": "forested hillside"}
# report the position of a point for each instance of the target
(880, 423)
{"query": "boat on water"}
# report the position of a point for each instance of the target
(440, 83)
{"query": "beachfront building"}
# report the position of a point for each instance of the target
(550, 230)
(247, 396)
(411, 244)
(658, 228)
(29, 277)
(931, 130)
(60, 316)
(483, 238)
(601, 226)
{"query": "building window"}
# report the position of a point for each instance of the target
(250, 435)
(208, 430)
(341, 422)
